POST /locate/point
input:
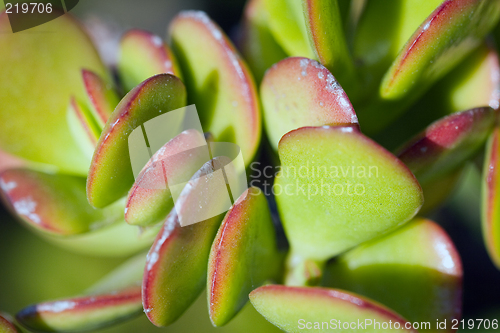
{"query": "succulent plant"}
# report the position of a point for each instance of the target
(366, 111)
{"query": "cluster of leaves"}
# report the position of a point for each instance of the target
(351, 255)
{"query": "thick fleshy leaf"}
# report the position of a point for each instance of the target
(375, 49)
(244, 255)
(41, 72)
(82, 313)
(55, 204)
(337, 189)
(56, 207)
(115, 298)
(288, 26)
(6, 326)
(110, 175)
(294, 309)
(416, 271)
(101, 97)
(461, 26)
(299, 92)
(490, 198)
(83, 126)
(148, 203)
(218, 81)
(325, 29)
(257, 44)
(176, 268)
(473, 83)
(447, 143)
(142, 55)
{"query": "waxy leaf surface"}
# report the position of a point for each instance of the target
(41, 72)
(257, 43)
(416, 271)
(111, 175)
(218, 82)
(142, 55)
(337, 189)
(299, 92)
(147, 202)
(176, 268)
(244, 255)
(447, 143)
(292, 308)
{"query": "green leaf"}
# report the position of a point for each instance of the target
(101, 97)
(374, 49)
(244, 255)
(415, 271)
(82, 313)
(218, 82)
(142, 55)
(308, 309)
(110, 175)
(490, 184)
(257, 44)
(461, 26)
(472, 84)
(337, 189)
(148, 203)
(288, 26)
(447, 143)
(42, 70)
(6, 326)
(298, 92)
(54, 204)
(176, 268)
(325, 29)
(115, 298)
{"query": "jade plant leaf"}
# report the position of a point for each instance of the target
(337, 189)
(101, 97)
(471, 84)
(142, 55)
(490, 216)
(257, 43)
(6, 326)
(244, 255)
(82, 313)
(375, 49)
(35, 101)
(299, 92)
(424, 59)
(110, 175)
(116, 297)
(294, 309)
(83, 126)
(55, 204)
(288, 26)
(147, 202)
(461, 26)
(326, 33)
(447, 143)
(416, 271)
(176, 267)
(218, 81)
(437, 191)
